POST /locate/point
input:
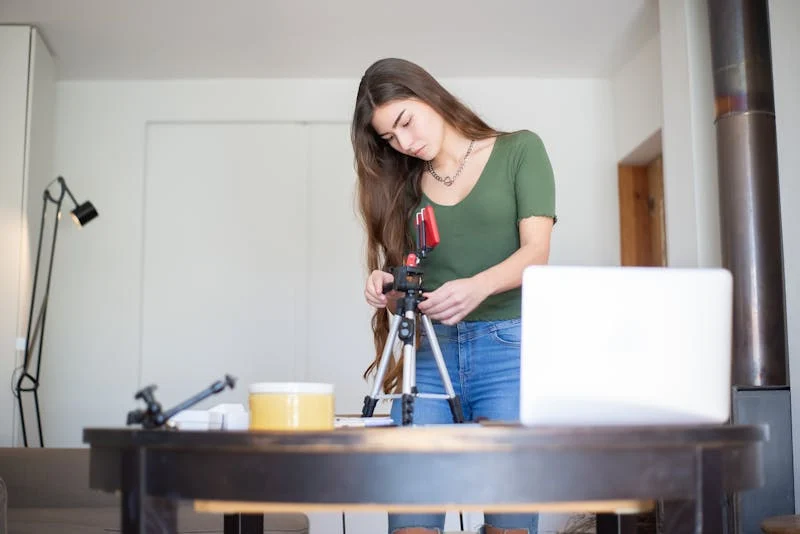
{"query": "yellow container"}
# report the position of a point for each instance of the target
(291, 406)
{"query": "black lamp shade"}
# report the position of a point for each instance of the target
(84, 213)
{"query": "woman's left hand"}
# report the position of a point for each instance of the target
(453, 300)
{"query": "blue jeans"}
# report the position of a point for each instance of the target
(482, 359)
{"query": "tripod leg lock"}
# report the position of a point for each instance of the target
(408, 409)
(369, 406)
(455, 409)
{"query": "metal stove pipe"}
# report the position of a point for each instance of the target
(750, 217)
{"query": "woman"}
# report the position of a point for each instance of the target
(493, 196)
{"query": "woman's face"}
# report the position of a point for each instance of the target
(411, 127)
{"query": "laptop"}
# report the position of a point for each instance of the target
(625, 345)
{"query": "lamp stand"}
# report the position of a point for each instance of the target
(29, 380)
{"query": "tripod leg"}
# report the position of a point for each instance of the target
(408, 388)
(371, 400)
(452, 398)
(409, 354)
(409, 367)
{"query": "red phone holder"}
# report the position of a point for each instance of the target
(427, 231)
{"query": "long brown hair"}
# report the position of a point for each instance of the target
(388, 181)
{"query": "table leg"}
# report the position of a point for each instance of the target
(142, 514)
(705, 514)
(244, 524)
(615, 524)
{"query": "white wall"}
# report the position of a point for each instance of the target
(27, 83)
(14, 49)
(636, 89)
(691, 193)
(784, 15)
(664, 103)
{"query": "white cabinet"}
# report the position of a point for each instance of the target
(27, 86)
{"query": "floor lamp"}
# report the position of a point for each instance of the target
(29, 380)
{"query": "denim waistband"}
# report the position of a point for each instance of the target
(467, 330)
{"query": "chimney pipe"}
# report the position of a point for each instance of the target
(750, 218)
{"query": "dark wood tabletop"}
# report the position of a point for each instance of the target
(486, 466)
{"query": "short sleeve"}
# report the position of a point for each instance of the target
(534, 181)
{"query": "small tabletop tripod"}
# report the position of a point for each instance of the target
(408, 279)
(153, 416)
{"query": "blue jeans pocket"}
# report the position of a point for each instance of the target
(508, 332)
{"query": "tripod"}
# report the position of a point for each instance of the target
(408, 279)
(153, 416)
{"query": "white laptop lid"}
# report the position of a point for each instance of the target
(625, 345)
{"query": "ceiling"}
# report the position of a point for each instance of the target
(158, 39)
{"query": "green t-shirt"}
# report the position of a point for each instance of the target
(483, 229)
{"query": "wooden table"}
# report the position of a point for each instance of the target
(452, 467)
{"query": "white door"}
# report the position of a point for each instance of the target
(340, 342)
(224, 257)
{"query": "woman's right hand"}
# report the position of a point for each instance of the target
(374, 290)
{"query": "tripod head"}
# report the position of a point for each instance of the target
(153, 416)
(408, 277)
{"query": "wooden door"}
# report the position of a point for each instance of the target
(641, 214)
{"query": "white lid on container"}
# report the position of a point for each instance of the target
(317, 388)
